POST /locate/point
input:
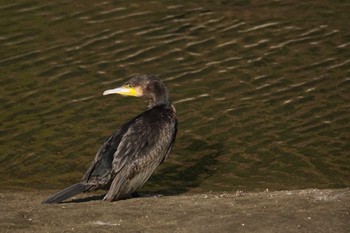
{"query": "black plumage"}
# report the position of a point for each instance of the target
(129, 157)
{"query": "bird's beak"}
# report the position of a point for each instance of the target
(125, 90)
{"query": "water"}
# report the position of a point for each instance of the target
(261, 90)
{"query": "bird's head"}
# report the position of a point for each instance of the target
(148, 86)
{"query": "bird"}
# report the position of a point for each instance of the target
(127, 159)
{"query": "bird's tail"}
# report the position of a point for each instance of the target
(67, 193)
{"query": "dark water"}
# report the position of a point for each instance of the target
(262, 90)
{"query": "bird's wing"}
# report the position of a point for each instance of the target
(143, 147)
(99, 173)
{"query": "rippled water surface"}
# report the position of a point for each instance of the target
(262, 90)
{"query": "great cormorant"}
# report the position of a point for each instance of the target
(128, 158)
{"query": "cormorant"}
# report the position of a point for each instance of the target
(128, 158)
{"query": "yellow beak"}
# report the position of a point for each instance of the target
(124, 90)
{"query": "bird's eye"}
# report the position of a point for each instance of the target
(128, 85)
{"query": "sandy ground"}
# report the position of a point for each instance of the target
(309, 210)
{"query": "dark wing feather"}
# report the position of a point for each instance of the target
(99, 172)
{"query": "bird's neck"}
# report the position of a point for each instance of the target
(154, 102)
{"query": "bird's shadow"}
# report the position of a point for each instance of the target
(86, 199)
(198, 162)
(101, 196)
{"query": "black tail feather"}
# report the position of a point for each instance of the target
(67, 193)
